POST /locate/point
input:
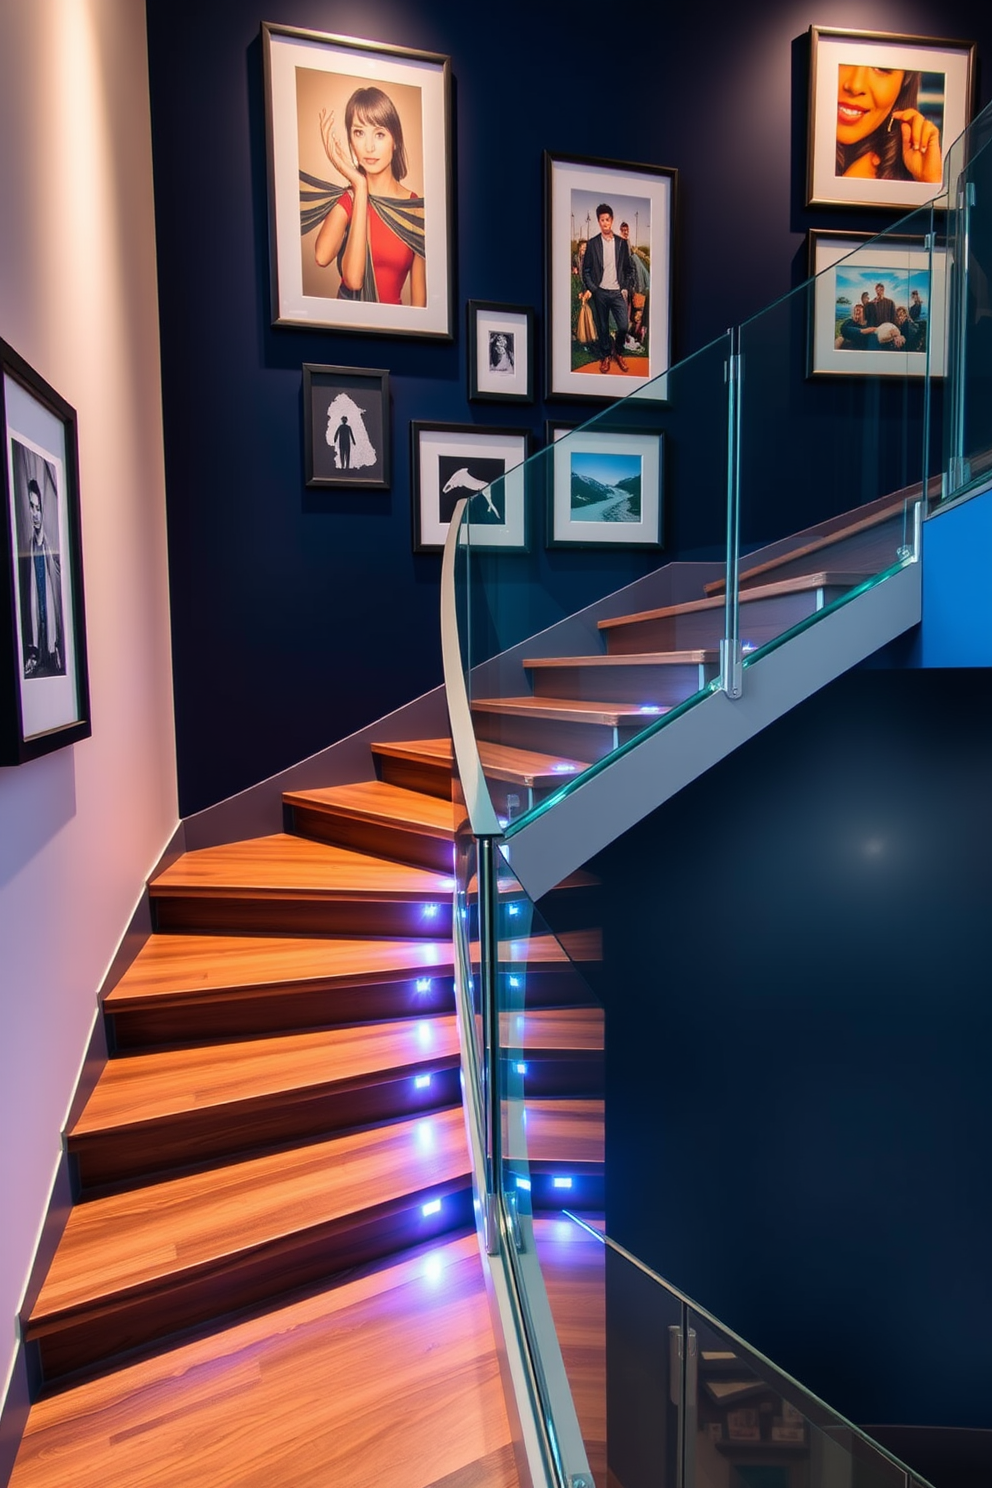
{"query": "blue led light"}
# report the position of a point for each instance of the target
(514, 981)
(425, 1033)
(649, 708)
(514, 910)
(430, 911)
(421, 1082)
(521, 1068)
(423, 984)
(524, 1183)
(562, 1183)
(563, 769)
(434, 1207)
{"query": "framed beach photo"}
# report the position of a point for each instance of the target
(359, 165)
(883, 111)
(604, 488)
(608, 262)
(500, 353)
(878, 306)
(346, 427)
(44, 693)
(450, 461)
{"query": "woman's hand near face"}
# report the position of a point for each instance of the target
(920, 145)
(336, 154)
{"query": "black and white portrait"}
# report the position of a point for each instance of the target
(500, 352)
(39, 565)
(501, 361)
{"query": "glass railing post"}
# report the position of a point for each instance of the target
(489, 977)
(731, 656)
(958, 472)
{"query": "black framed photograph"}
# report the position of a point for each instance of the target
(346, 427)
(359, 165)
(43, 676)
(877, 305)
(500, 353)
(604, 488)
(608, 262)
(450, 461)
(883, 111)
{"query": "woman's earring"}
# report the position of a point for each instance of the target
(888, 127)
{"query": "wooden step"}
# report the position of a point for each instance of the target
(153, 1112)
(561, 1134)
(555, 1051)
(588, 730)
(289, 885)
(194, 988)
(866, 539)
(372, 816)
(425, 764)
(140, 1266)
(766, 611)
(652, 679)
(389, 1376)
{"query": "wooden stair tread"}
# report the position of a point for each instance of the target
(572, 710)
(562, 1131)
(147, 1087)
(254, 1399)
(142, 1239)
(283, 864)
(644, 658)
(523, 767)
(816, 538)
(177, 968)
(553, 1028)
(377, 801)
(798, 585)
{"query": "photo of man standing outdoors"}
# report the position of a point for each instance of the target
(608, 278)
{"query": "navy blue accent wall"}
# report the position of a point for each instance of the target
(299, 617)
(799, 1029)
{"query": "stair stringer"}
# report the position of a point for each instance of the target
(594, 813)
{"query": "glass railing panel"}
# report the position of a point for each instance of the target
(967, 424)
(834, 416)
(557, 683)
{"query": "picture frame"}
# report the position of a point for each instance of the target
(642, 199)
(454, 460)
(605, 487)
(500, 353)
(911, 309)
(861, 84)
(346, 427)
(44, 686)
(398, 102)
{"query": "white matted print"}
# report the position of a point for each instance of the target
(605, 489)
(500, 353)
(347, 120)
(451, 461)
(883, 112)
(877, 310)
(605, 342)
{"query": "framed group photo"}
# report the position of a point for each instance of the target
(346, 427)
(604, 488)
(883, 111)
(500, 353)
(878, 306)
(44, 693)
(450, 461)
(608, 250)
(359, 180)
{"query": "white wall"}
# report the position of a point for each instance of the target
(80, 829)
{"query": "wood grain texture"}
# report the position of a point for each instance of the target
(295, 1396)
(562, 1132)
(649, 680)
(523, 767)
(798, 585)
(835, 532)
(376, 817)
(573, 1264)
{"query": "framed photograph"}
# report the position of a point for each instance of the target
(500, 353)
(877, 306)
(882, 112)
(44, 694)
(359, 161)
(604, 488)
(346, 427)
(450, 461)
(607, 224)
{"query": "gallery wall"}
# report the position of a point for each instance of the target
(798, 1027)
(81, 828)
(300, 616)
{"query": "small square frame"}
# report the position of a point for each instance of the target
(448, 461)
(359, 397)
(500, 353)
(605, 446)
(44, 688)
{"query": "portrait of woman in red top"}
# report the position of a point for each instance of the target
(374, 228)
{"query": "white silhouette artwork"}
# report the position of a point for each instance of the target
(462, 480)
(347, 435)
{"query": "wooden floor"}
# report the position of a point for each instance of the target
(296, 1396)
